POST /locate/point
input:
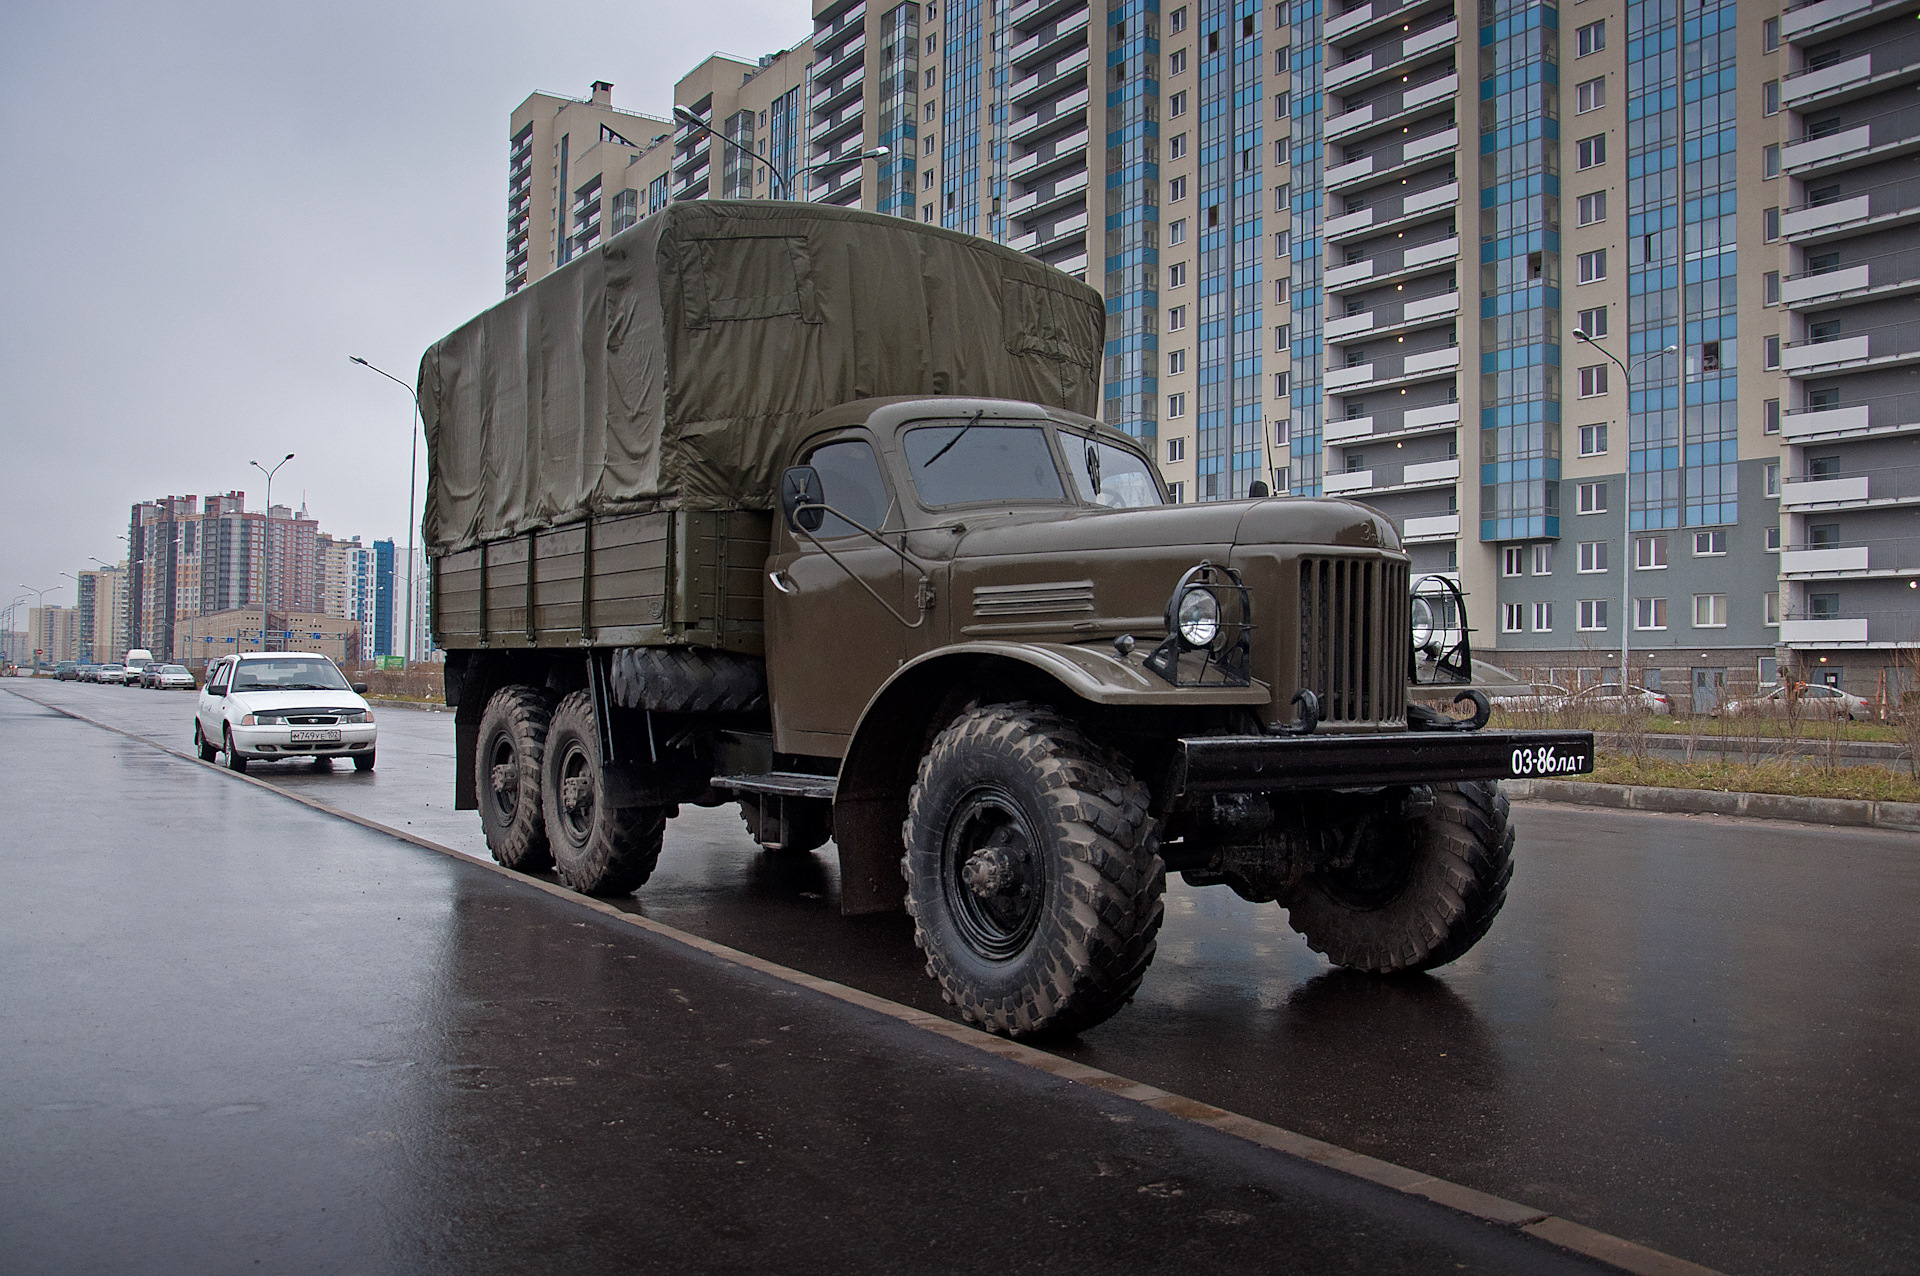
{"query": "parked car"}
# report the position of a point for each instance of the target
(1609, 697)
(170, 677)
(268, 705)
(67, 671)
(1806, 699)
(1542, 695)
(89, 672)
(136, 664)
(111, 673)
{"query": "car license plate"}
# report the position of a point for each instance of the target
(1536, 760)
(316, 735)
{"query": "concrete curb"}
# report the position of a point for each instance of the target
(1903, 817)
(1626, 1255)
(1706, 745)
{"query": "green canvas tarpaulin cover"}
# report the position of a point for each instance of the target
(674, 366)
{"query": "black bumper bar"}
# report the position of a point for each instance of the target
(1265, 764)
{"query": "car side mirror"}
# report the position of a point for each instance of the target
(358, 688)
(802, 498)
(216, 691)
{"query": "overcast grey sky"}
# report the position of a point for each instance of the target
(208, 207)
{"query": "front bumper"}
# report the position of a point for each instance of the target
(278, 741)
(1268, 764)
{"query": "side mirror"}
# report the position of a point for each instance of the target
(213, 690)
(358, 688)
(1258, 492)
(801, 498)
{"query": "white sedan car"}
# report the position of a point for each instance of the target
(1807, 700)
(267, 705)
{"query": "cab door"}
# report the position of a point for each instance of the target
(830, 642)
(213, 707)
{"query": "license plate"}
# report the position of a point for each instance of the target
(317, 735)
(1536, 760)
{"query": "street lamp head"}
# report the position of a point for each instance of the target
(1581, 334)
(877, 153)
(287, 457)
(683, 114)
(354, 358)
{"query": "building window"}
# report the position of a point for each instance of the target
(1176, 450)
(1711, 544)
(1543, 559)
(1773, 539)
(1709, 611)
(1772, 349)
(1771, 222)
(1593, 498)
(1177, 147)
(1593, 614)
(1283, 337)
(1770, 416)
(1593, 557)
(1593, 266)
(1770, 35)
(1593, 440)
(926, 180)
(1177, 493)
(1177, 275)
(1593, 208)
(1590, 39)
(1177, 21)
(1591, 152)
(1590, 95)
(1176, 407)
(1280, 385)
(1594, 322)
(1773, 478)
(1770, 287)
(1283, 150)
(1176, 189)
(1770, 604)
(1770, 97)
(1649, 552)
(1176, 362)
(1176, 319)
(1649, 613)
(1282, 242)
(1176, 62)
(1543, 618)
(1513, 560)
(1513, 618)
(1823, 606)
(1593, 380)
(1177, 105)
(1770, 160)
(1177, 232)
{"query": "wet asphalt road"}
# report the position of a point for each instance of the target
(242, 1035)
(1695, 1033)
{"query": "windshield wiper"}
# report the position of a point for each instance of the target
(948, 445)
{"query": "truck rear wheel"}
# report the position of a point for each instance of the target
(513, 743)
(787, 826)
(1033, 872)
(598, 848)
(1417, 900)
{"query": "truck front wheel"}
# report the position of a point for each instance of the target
(513, 742)
(1416, 896)
(598, 848)
(1033, 872)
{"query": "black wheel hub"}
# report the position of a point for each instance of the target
(994, 873)
(577, 796)
(504, 773)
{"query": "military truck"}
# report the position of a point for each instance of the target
(805, 509)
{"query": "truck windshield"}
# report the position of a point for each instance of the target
(990, 462)
(295, 673)
(1123, 480)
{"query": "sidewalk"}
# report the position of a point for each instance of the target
(250, 1036)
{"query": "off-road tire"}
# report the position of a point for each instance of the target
(1077, 929)
(1454, 884)
(234, 761)
(513, 735)
(201, 745)
(363, 761)
(597, 849)
(809, 824)
(688, 680)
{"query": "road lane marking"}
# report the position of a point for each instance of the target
(1564, 1233)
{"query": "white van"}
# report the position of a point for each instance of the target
(136, 662)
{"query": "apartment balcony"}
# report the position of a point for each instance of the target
(1042, 47)
(695, 156)
(1071, 109)
(1892, 203)
(1361, 21)
(1347, 174)
(1388, 61)
(1433, 527)
(1031, 13)
(1391, 160)
(1419, 476)
(1348, 326)
(1887, 135)
(1347, 276)
(848, 25)
(1883, 417)
(1392, 265)
(1824, 632)
(1351, 430)
(1884, 558)
(1334, 380)
(1036, 202)
(1347, 483)
(1824, 18)
(1437, 418)
(1391, 210)
(1884, 487)
(1889, 345)
(1866, 72)
(1882, 275)
(1389, 113)
(831, 95)
(836, 126)
(1824, 562)
(1066, 150)
(1391, 371)
(1069, 72)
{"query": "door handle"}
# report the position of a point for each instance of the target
(782, 583)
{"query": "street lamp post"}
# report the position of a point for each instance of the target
(266, 576)
(413, 469)
(1626, 513)
(685, 116)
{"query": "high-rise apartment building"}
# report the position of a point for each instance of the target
(101, 610)
(52, 635)
(1557, 287)
(385, 595)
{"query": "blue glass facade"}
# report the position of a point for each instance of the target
(1519, 271)
(899, 108)
(383, 597)
(967, 23)
(786, 135)
(1133, 216)
(1308, 301)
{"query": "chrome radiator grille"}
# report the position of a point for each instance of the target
(1354, 618)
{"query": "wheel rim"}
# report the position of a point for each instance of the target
(994, 873)
(1379, 872)
(576, 797)
(506, 797)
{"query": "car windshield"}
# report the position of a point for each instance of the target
(966, 462)
(1108, 475)
(173, 669)
(294, 673)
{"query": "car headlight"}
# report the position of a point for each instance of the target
(356, 715)
(260, 720)
(1422, 624)
(1198, 618)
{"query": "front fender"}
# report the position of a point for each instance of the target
(1097, 674)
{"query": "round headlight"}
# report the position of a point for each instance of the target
(1422, 624)
(1199, 618)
